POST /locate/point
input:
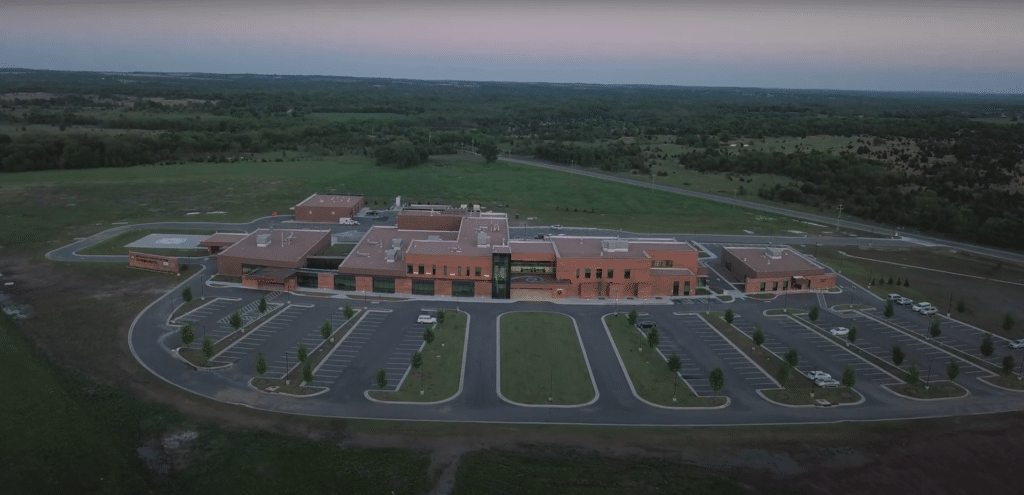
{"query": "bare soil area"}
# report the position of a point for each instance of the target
(84, 312)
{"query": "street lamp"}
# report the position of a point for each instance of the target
(928, 379)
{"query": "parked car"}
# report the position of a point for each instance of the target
(645, 325)
(893, 297)
(818, 375)
(904, 301)
(556, 227)
(1016, 344)
(428, 319)
(921, 305)
(826, 382)
(930, 310)
(839, 331)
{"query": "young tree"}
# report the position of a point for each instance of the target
(440, 316)
(428, 335)
(674, 365)
(849, 378)
(729, 316)
(1007, 365)
(325, 330)
(889, 309)
(815, 313)
(235, 320)
(898, 281)
(347, 311)
(792, 358)
(906, 283)
(716, 380)
(261, 363)
(653, 337)
(987, 347)
(307, 372)
(758, 337)
(913, 374)
(631, 317)
(852, 336)
(1008, 322)
(782, 374)
(952, 370)
(934, 328)
(188, 334)
(382, 378)
(890, 279)
(207, 347)
(262, 305)
(416, 360)
(302, 353)
(186, 293)
(488, 149)
(898, 355)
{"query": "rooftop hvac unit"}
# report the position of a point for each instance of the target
(615, 245)
(263, 240)
(396, 243)
(482, 239)
(773, 253)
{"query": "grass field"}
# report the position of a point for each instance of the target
(541, 357)
(936, 390)
(569, 472)
(55, 207)
(648, 371)
(441, 373)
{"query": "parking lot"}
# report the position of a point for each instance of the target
(332, 368)
(962, 337)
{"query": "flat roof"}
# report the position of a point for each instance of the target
(278, 275)
(368, 257)
(757, 260)
(591, 247)
(331, 200)
(222, 239)
(286, 245)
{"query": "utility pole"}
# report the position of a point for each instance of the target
(839, 216)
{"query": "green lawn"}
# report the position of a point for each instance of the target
(1011, 382)
(648, 371)
(442, 365)
(570, 472)
(937, 390)
(541, 357)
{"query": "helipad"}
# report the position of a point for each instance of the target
(169, 241)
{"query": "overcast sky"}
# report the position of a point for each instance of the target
(838, 44)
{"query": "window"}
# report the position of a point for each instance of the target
(410, 268)
(762, 286)
(611, 273)
(460, 271)
(478, 271)
(785, 285)
(626, 274)
(445, 272)
(598, 274)
(433, 269)
(775, 285)
(586, 273)
(577, 273)
(421, 271)
(662, 264)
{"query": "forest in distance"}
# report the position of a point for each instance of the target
(947, 163)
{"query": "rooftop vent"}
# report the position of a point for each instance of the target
(392, 255)
(263, 240)
(396, 243)
(615, 245)
(773, 253)
(482, 239)
(433, 238)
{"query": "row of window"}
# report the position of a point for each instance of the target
(775, 285)
(421, 270)
(599, 272)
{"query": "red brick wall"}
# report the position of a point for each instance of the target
(482, 289)
(325, 280)
(326, 213)
(442, 287)
(644, 291)
(403, 286)
(364, 283)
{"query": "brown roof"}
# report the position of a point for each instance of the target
(758, 260)
(590, 247)
(532, 247)
(368, 257)
(671, 272)
(222, 239)
(276, 275)
(301, 243)
(331, 200)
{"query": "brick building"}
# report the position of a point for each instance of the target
(774, 269)
(272, 258)
(469, 254)
(328, 208)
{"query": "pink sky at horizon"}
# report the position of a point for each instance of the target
(606, 37)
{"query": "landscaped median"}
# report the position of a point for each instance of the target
(799, 390)
(440, 376)
(541, 361)
(648, 370)
(195, 356)
(292, 383)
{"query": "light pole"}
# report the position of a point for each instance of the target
(928, 378)
(812, 380)
(840, 215)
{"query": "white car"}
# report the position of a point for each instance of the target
(929, 310)
(920, 306)
(818, 375)
(826, 382)
(904, 301)
(839, 331)
(1016, 344)
(893, 297)
(428, 319)
(556, 227)
(347, 221)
